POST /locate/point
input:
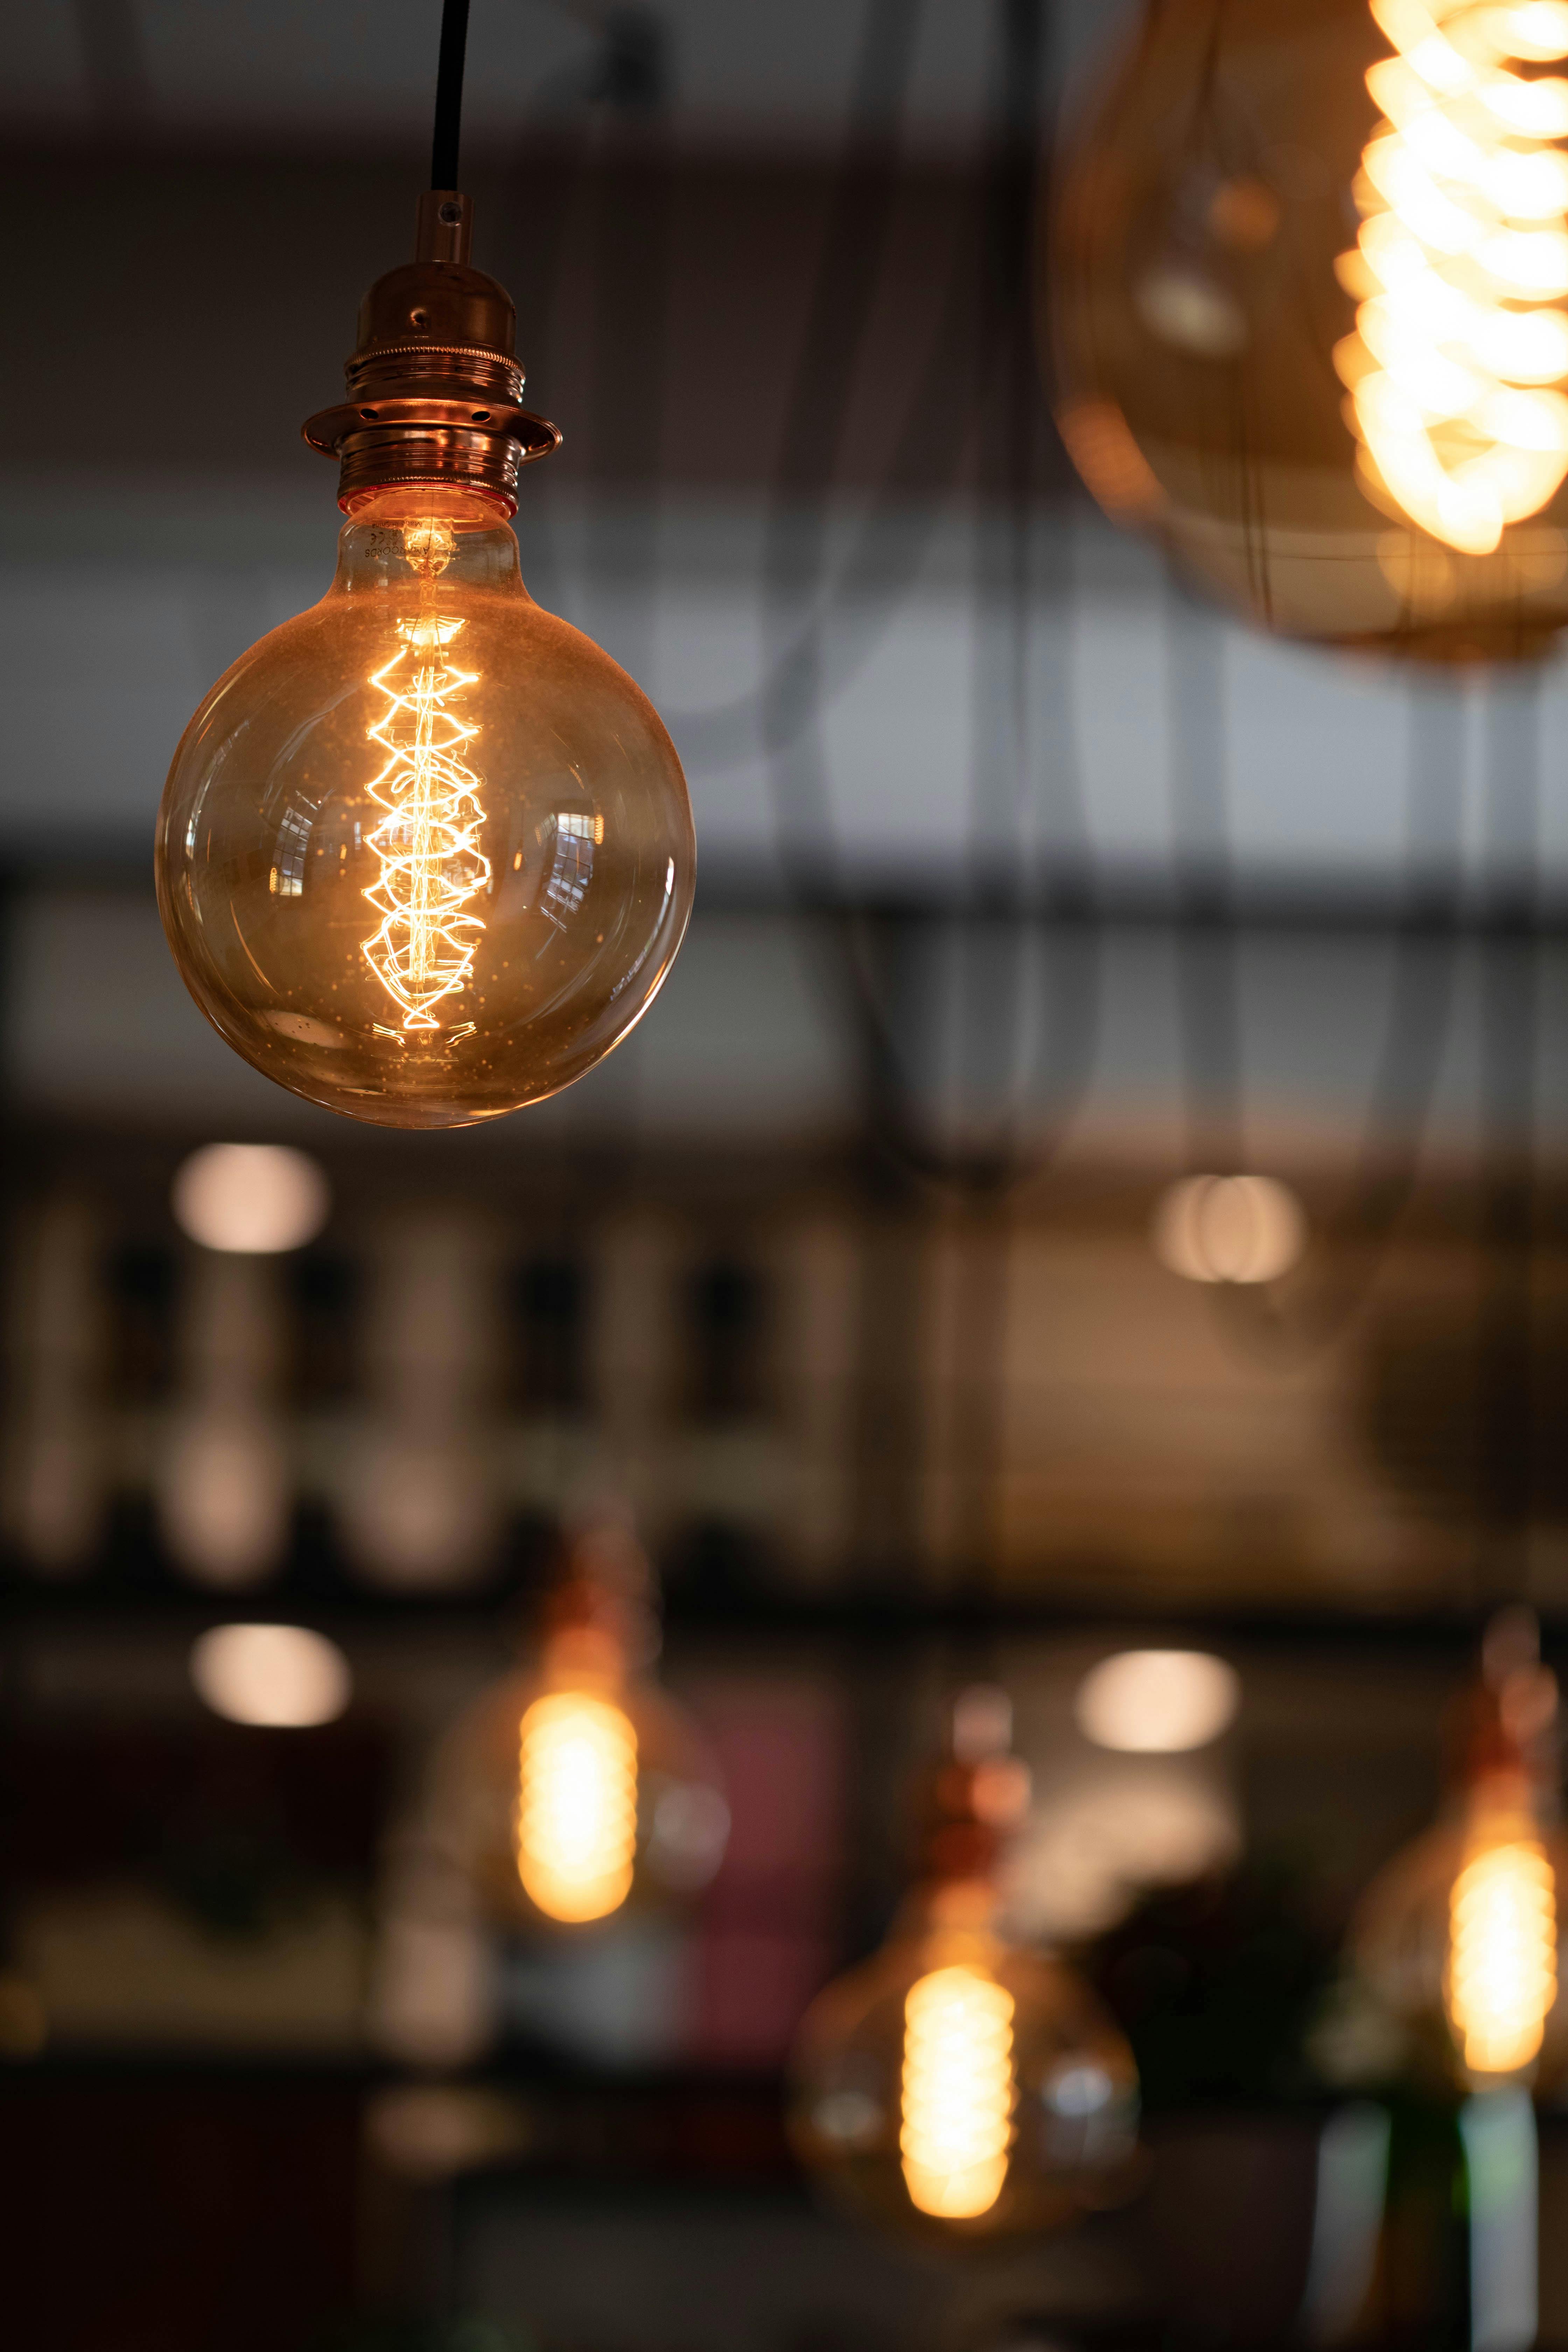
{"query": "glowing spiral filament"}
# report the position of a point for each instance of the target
(1502, 1955)
(1462, 264)
(958, 2092)
(577, 1805)
(431, 863)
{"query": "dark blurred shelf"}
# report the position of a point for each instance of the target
(860, 1616)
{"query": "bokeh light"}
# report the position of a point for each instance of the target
(251, 1197)
(1157, 1702)
(1229, 1229)
(281, 1677)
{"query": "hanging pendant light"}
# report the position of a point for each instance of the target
(425, 854)
(1309, 300)
(957, 2084)
(576, 1787)
(1460, 1937)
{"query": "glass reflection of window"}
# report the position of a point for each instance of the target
(571, 867)
(287, 876)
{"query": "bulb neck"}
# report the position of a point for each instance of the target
(1506, 1736)
(419, 537)
(434, 383)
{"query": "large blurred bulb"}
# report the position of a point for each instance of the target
(577, 1805)
(1358, 445)
(425, 854)
(1462, 257)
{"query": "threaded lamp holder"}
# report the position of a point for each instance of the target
(434, 386)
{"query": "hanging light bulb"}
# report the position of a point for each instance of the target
(1365, 442)
(576, 1804)
(957, 2084)
(569, 1792)
(1461, 1932)
(425, 854)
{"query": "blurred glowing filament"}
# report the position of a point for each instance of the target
(577, 1805)
(1462, 260)
(1502, 1955)
(431, 863)
(958, 2092)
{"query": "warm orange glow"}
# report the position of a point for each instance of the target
(1462, 266)
(1502, 1955)
(427, 841)
(958, 2092)
(577, 1805)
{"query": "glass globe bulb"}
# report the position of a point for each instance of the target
(1461, 1935)
(574, 1789)
(958, 2085)
(1307, 301)
(425, 854)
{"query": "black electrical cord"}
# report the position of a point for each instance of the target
(444, 144)
(1287, 1322)
(987, 311)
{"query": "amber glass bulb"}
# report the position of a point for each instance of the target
(958, 2085)
(1461, 1935)
(1308, 285)
(425, 854)
(578, 1787)
(570, 1792)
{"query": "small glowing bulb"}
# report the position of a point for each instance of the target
(1503, 1954)
(958, 2092)
(1462, 260)
(576, 1825)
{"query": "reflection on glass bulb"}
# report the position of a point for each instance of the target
(524, 845)
(577, 1805)
(958, 2092)
(1502, 1955)
(1462, 254)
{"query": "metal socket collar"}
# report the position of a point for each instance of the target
(434, 387)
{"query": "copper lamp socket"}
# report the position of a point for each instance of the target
(434, 385)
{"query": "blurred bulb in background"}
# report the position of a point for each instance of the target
(576, 1833)
(425, 853)
(1360, 443)
(579, 1791)
(1242, 1229)
(282, 1678)
(1157, 1702)
(254, 1198)
(956, 2084)
(1460, 1935)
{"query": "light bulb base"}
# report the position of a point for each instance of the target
(434, 387)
